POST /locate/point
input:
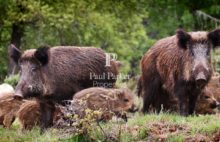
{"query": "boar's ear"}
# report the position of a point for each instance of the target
(183, 37)
(119, 64)
(121, 93)
(41, 54)
(14, 53)
(214, 36)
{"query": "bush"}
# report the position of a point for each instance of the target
(12, 80)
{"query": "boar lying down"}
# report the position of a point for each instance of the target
(109, 102)
(179, 65)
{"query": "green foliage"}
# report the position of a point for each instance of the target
(175, 138)
(151, 127)
(127, 28)
(12, 80)
(115, 26)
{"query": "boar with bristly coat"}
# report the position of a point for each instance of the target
(206, 103)
(62, 71)
(214, 86)
(59, 72)
(179, 65)
(9, 106)
(109, 101)
(29, 114)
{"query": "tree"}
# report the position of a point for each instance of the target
(115, 26)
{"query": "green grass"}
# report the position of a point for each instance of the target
(151, 127)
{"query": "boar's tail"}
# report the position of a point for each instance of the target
(139, 86)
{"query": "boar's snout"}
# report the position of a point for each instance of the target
(18, 94)
(133, 109)
(201, 80)
(215, 104)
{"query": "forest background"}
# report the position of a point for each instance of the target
(125, 27)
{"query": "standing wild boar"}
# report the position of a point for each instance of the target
(108, 101)
(62, 71)
(59, 72)
(179, 65)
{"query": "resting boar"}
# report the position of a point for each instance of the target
(214, 86)
(59, 72)
(108, 101)
(206, 102)
(9, 105)
(29, 114)
(179, 65)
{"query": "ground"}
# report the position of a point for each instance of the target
(149, 128)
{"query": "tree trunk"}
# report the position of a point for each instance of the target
(16, 35)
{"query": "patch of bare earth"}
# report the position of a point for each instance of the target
(160, 131)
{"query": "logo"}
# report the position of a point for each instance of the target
(109, 57)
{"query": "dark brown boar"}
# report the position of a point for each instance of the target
(9, 105)
(109, 101)
(63, 71)
(59, 72)
(29, 114)
(179, 65)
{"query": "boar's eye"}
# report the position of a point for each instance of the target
(208, 52)
(33, 69)
(191, 51)
(206, 97)
(126, 100)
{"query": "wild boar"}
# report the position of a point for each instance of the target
(29, 114)
(206, 103)
(59, 72)
(9, 106)
(62, 71)
(179, 65)
(109, 101)
(214, 86)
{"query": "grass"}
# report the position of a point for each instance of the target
(152, 127)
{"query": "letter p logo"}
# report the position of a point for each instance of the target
(109, 57)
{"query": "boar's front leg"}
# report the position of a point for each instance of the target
(47, 109)
(181, 92)
(192, 102)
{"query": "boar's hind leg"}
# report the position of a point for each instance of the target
(181, 92)
(151, 92)
(47, 109)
